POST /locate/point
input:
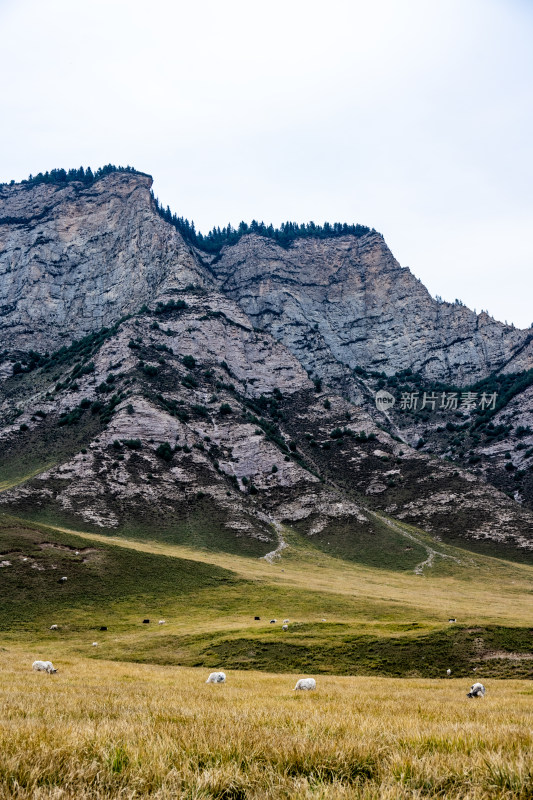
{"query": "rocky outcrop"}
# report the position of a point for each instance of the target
(346, 302)
(224, 395)
(75, 258)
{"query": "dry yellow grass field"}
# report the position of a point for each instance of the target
(113, 730)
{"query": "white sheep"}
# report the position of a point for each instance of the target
(162, 622)
(63, 579)
(305, 683)
(217, 677)
(285, 621)
(43, 666)
(476, 690)
(448, 672)
(95, 644)
(54, 627)
(284, 627)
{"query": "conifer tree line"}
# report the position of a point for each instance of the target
(213, 241)
(86, 176)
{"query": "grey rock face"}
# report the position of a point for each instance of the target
(346, 302)
(250, 441)
(74, 258)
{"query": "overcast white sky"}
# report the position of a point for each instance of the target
(411, 116)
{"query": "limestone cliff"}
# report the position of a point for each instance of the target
(223, 395)
(75, 258)
(348, 302)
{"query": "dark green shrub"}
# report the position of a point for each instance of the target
(225, 408)
(189, 362)
(164, 451)
(133, 444)
(172, 305)
(523, 430)
(190, 382)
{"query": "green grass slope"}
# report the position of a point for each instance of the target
(345, 618)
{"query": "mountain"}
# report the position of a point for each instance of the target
(215, 396)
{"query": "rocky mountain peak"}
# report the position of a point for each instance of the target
(232, 387)
(75, 258)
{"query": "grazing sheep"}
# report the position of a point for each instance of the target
(476, 690)
(257, 618)
(217, 677)
(448, 672)
(103, 627)
(63, 579)
(452, 619)
(305, 683)
(162, 622)
(284, 627)
(54, 627)
(44, 666)
(146, 621)
(285, 621)
(273, 621)
(95, 644)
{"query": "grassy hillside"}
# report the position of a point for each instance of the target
(345, 617)
(106, 730)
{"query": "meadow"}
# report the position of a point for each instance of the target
(134, 718)
(100, 729)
